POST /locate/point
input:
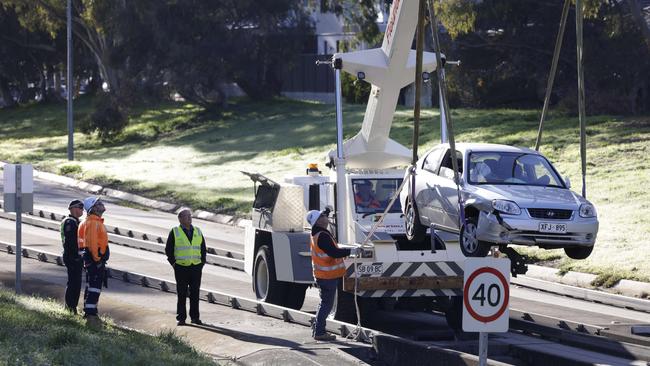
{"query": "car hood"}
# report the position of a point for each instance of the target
(529, 196)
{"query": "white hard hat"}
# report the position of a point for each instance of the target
(312, 216)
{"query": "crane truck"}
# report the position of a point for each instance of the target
(390, 270)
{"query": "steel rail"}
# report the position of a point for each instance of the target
(132, 233)
(214, 259)
(378, 339)
(137, 239)
(384, 344)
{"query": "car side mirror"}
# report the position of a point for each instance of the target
(567, 182)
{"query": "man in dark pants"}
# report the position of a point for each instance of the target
(186, 252)
(71, 257)
(93, 243)
(328, 267)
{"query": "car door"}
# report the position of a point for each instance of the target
(446, 191)
(425, 195)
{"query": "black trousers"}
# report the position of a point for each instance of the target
(94, 280)
(188, 277)
(73, 287)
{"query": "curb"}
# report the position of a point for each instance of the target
(140, 200)
(635, 289)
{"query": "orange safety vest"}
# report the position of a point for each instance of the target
(373, 202)
(324, 266)
(92, 236)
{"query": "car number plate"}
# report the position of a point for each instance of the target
(547, 227)
(370, 269)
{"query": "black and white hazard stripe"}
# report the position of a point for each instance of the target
(410, 269)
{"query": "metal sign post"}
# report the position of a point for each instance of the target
(69, 84)
(486, 298)
(18, 197)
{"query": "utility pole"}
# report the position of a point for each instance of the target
(69, 84)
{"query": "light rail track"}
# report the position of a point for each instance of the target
(616, 340)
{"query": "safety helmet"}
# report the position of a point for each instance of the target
(90, 202)
(312, 217)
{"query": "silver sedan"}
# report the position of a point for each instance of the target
(508, 195)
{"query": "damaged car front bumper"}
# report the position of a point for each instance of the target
(524, 230)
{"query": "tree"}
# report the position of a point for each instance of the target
(506, 55)
(25, 57)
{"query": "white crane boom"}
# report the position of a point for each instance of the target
(388, 69)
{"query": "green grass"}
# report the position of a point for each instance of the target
(177, 152)
(36, 331)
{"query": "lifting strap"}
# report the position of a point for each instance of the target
(444, 108)
(581, 85)
(581, 95)
(551, 75)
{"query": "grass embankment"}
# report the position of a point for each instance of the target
(35, 331)
(175, 152)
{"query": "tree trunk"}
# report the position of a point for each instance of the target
(640, 20)
(56, 82)
(5, 94)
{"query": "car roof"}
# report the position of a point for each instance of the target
(491, 148)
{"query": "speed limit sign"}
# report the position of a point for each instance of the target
(486, 295)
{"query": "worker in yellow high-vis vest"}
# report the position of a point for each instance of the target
(186, 252)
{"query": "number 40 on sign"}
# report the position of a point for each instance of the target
(486, 295)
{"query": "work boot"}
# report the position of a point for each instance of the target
(93, 321)
(325, 337)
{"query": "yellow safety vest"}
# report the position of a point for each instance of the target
(324, 266)
(187, 253)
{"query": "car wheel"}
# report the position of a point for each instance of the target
(469, 243)
(578, 252)
(415, 232)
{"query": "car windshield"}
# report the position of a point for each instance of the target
(373, 195)
(511, 168)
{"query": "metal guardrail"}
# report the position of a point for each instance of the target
(583, 293)
(211, 296)
(217, 260)
(385, 345)
(126, 232)
(382, 342)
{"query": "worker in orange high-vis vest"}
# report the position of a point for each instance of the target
(328, 267)
(93, 242)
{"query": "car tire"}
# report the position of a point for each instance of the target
(265, 284)
(469, 243)
(578, 252)
(415, 232)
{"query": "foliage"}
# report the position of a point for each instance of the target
(506, 58)
(354, 90)
(108, 120)
(70, 169)
(458, 16)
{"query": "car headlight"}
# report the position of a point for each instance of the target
(587, 210)
(507, 207)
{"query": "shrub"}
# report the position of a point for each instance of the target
(70, 169)
(108, 120)
(354, 90)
